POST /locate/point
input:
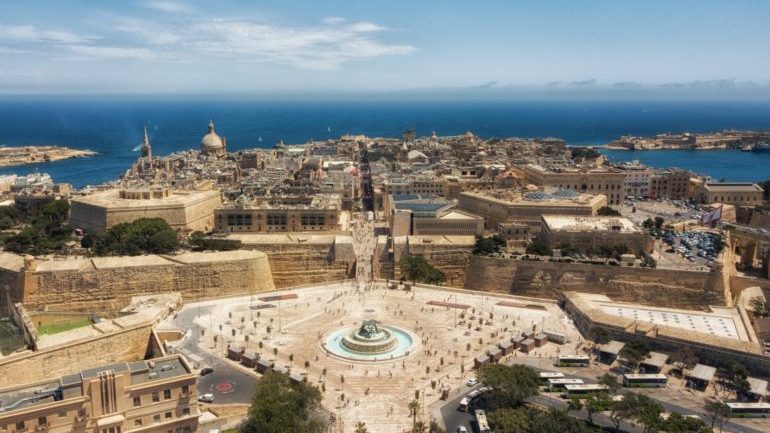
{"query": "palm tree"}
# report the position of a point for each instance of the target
(361, 428)
(419, 427)
(414, 405)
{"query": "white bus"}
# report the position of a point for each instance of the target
(481, 421)
(749, 410)
(545, 375)
(573, 361)
(583, 389)
(562, 382)
(645, 380)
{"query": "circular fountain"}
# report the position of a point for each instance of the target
(372, 341)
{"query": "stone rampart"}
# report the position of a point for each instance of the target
(108, 283)
(659, 287)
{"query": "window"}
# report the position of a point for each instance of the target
(63, 414)
(138, 422)
(167, 394)
(186, 390)
(155, 397)
(137, 401)
(156, 419)
(168, 415)
(19, 425)
(185, 411)
(42, 421)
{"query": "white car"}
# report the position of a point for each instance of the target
(206, 398)
(472, 382)
(462, 429)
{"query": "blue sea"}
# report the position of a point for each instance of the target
(113, 127)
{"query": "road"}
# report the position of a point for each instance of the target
(228, 383)
(454, 418)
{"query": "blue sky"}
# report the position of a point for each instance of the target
(430, 46)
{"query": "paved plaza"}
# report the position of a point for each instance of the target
(291, 326)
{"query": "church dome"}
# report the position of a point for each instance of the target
(212, 142)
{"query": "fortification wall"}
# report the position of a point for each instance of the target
(665, 288)
(452, 260)
(294, 264)
(128, 344)
(109, 283)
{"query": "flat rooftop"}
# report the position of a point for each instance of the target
(568, 223)
(70, 386)
(511, 198)
(733, 187)
(111, 198)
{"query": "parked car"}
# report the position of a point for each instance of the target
(206, 398)
(472, 382)
(206, 370)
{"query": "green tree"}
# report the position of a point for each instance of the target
(509, 420)
(511, 385)
(647, 411)
(361, 428)
(145, 235)
(683, 359)
(418, 269)
(607, 211)
(280, 406)
(735, 378)
(598, 402)
(659, 222)
(555, 421)
(716, 411)
(539, 249)
(488, 246)
(633, 353)
(610, 381)
(648, 223)
(677, 423)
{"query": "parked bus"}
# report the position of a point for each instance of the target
(583, 389)
(749, 410)
(645, 380)
(545, 375)
(573, 361)
(562, 382)
(481, 421)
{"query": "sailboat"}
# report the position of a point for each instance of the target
(259, 139)
(329, 128)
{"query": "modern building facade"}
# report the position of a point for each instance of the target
(153, 396)
(315, 213)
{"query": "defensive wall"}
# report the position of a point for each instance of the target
(127, 337)
(659, 287)
(298, 259)
(108, 283)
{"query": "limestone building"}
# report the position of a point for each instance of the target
(417, 215)
(734, 193)
(504, 206)
(296, 213)
(591, 233)
(184, 210)
(672, 184)
(158, 395)
(609, 182)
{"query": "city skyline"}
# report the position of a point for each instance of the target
(683, 48)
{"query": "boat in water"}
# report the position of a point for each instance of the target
(761, 147)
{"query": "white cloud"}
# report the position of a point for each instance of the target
(324, 46)
(89, 51)
(169, 6)
(27, 33)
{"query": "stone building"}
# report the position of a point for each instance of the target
(212, 144)
(672, 184)
(591, 233)
(299, 213)
(157, 395)
(184, 210)
(417, 215)
(609, 182)
(504, 206)
(734, 193)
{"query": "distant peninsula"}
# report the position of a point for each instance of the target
(20, 155)
(729, 139)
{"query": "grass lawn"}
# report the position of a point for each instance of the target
(61, 327)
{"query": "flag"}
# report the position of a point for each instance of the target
(713, 216)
